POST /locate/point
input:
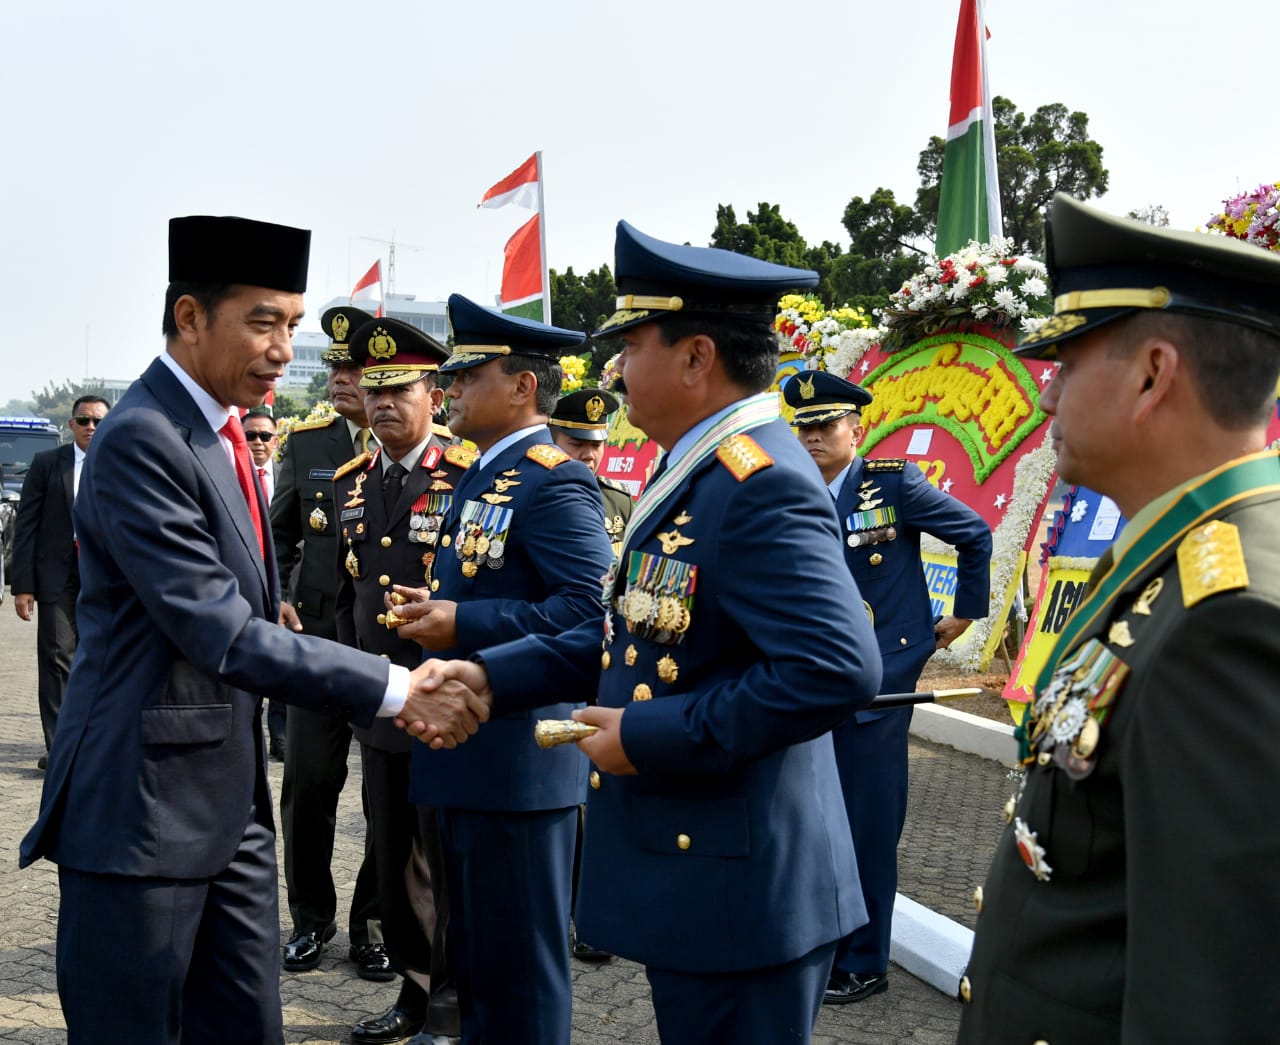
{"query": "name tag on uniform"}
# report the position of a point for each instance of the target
(321, 473)
(352, 513)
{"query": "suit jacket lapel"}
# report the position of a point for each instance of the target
(67, 466)
(848, 495)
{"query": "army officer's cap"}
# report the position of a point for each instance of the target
(204, 249)
(340, 323)
(658, 280)
(584, 414)
(481, 334)
(818, 397)
(1103, 268)
(394, 353)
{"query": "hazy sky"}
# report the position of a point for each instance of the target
(391, 118)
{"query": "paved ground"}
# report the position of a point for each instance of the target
(951, 829)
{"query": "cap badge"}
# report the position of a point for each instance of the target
(340, 326)
(807, 391)
(595, 409)
(382, 345)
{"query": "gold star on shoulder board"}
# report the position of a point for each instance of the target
(673, 541)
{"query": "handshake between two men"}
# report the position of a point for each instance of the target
(450, 699)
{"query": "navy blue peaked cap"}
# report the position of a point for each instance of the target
(818, 397)
(657, 280)
(481, 334)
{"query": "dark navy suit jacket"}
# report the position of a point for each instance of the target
(157, 766)
(730, 849)
(44, 554)
(556, 552)
(890, 575)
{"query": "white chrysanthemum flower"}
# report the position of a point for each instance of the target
(980, 311)
(1034, 286)
(1028, 267)
(1007, 301)
(1031, 324)
(997, 274)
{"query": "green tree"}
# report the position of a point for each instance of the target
(55, 401)
(1049, 151)
(583, 303)
(286, 405)
(319, 387)
(886, 249)
(767, 235)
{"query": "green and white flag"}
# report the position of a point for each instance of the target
(969, 200)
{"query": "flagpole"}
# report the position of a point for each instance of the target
(995, 219)
(542, 243)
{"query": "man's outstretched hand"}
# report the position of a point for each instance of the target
(448, 700)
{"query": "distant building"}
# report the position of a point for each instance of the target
(431, 317)
(110, 388)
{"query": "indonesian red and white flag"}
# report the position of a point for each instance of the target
(522, 187)
(368, 290)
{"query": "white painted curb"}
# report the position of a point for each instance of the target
(929, 945)
(965, 732)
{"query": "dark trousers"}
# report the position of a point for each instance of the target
(315, 769)
(411, 888)
(277, 717)
(872, 757)
(157, 961)
(56, 638)
(774, 1006)
(509, 880)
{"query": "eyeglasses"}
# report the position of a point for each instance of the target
(84, 420)
(266, 437)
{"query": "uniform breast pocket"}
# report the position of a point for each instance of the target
(692, 826)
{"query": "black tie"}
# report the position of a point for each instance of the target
(392, 482)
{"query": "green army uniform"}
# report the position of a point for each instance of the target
(1132, 897)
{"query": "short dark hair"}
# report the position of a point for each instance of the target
(547, 372)
(1235, 368)
(210, 295)
(85, 401)
(261, 411)
(746, 346)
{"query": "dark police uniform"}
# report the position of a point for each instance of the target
(1133, 895)
(521, 551)
(379, 548)
(304, 528)
(726, 864)
(884, 506)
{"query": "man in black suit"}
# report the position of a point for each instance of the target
(44, 557)
(156, 805)
(304, 528)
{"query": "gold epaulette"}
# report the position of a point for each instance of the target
(442, 431)
(547, 455)
(1211, 560)
(884, 464)
(359, 461)
(312, 426)
(459, 455)
(743, 456)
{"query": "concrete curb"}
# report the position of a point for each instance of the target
(929, 945)
(965, 732)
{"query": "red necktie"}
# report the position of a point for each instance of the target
(240, 451)
(262, 478)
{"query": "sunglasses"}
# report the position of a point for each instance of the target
(84, 420)
(266, 437)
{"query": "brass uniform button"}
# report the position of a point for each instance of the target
(966, 990)
(382, 618)
(386, 542)
(435, 584)
(606, 658)
(319, 495)
(683, 841)
(595, 780)
(384, 580)
(642, 692)
(977, 899)
(902, 641)
(385, 656)
(1040, 1041)
(876, 559)
(445, 541)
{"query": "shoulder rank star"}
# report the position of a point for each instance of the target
(673, 541)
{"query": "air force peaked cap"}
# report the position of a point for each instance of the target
(394, 353)
(657, 280)
(817, 397)
(338, 323)
(481, 334)
(205, 249)
(1103, 268)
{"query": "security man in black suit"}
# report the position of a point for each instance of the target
(304, 528)
(44, 557)
(391, 503)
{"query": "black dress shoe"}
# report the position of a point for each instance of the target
(583, 951)
(304, 951)
(42, 762)
(372, 962)
(844, 987)
(392, 1025)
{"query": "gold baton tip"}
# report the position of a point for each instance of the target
(552, 732)
(397, 599)
(957, 694)
(394, 620)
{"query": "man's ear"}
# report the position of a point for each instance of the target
(525, 387)
(1159, 366)
(190, 318)
(699, 354)
(436, 395)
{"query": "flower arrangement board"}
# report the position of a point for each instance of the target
(629, 455)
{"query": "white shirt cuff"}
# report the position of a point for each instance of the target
(397, 694)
